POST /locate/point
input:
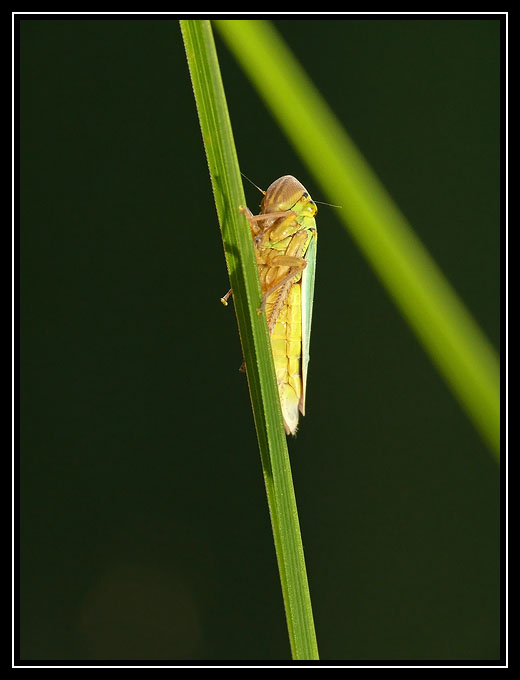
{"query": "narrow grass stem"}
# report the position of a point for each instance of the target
(228, 192)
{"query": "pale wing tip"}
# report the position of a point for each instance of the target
(290, 414)
(290, 429)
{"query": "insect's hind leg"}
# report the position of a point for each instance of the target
(226, 297)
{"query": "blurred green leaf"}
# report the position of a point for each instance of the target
(455, 343)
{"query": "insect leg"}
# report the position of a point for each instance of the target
(296, 264)
(226, 297)
(255, 220)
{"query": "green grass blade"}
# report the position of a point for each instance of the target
(238, 247)
(453, 340)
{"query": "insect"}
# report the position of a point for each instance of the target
(285, 237)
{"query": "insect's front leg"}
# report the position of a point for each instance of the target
(250, 217)
(258, 235)
(255, 221)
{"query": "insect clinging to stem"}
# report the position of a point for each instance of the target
(285, 238)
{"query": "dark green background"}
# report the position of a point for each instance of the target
(145, 532)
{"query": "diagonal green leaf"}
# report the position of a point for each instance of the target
(447, 331)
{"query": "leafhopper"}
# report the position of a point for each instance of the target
(285, 237)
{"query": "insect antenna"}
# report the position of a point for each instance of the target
(332, 205)
(251, 182)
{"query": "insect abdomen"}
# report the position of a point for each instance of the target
(286, 342)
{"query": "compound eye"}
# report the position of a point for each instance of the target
(303, 197)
